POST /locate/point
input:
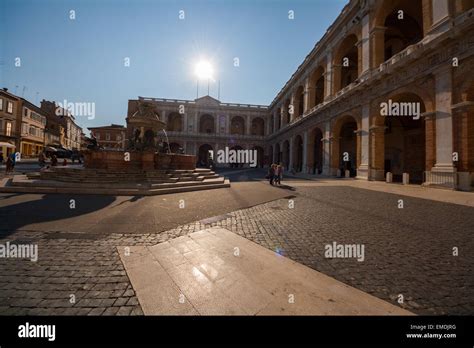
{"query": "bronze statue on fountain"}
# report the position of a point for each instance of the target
(144, 149)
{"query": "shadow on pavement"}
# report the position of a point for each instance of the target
(50, 207)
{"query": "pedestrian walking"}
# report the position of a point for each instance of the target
(8, 166)
(13, 161)
(271, 173)
(1, 157)
(279, 173)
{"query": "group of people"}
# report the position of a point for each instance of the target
(275, 174)
(9, 163)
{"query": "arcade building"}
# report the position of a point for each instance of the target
(327, 119)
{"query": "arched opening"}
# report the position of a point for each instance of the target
(298, 154)
(204, 157)
(404, 142)
(260, 154)
(344, 147)
(403, 28)
(317, 165)
(346, 63)
(258, 126)
(317, 87)
(207, 124)
(285, 155)
(175, 122)
(237, 125)
(288, 117)
(236, 164)
(299, 102)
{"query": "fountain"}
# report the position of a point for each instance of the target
(144, 148)
(144, 167)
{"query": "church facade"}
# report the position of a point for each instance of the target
(388, 91)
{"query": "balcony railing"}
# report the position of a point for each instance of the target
(180, 101)
(215, 135)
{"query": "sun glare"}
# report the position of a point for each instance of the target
(204, 70)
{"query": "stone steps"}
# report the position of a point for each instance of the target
(101, 176)
(21, 184)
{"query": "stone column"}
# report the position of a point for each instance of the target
(290, 155)
(196, 123)
(309, 155)
(185, 122)
(305, 153)
(283, 115)
(327, 148)
(308, 94)
(377, 153)
(430, 139)
(377, 43)
(444, 121)
(365, 42)
(227, 124)
(248, 124)
(328, 76)
(363, 133)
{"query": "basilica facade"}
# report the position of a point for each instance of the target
(414, 58)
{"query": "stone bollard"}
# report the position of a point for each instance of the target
(348, 174)
(389, 177)
(339, 173)
(406, 178)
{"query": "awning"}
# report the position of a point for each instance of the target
(7, 145)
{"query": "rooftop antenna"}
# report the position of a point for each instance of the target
(23, 92)
(36, 97)
(197, 88)
(219, 90)
(16, 87)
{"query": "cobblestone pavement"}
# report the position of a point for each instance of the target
(87, 267)
(408, 251)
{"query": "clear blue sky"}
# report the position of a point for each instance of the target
(82, 60)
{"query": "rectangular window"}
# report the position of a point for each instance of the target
(107, 136)
(1, 104)
(8, 129)
(25, 112)
(10, 107)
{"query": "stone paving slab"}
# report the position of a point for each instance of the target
(216, 272)
(418, 191)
